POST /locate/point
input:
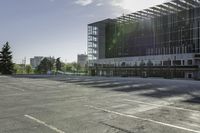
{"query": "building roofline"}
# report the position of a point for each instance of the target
(166, 8)
(102, 21)
(161, 9)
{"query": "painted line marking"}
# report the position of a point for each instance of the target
(19, 89)
(143, 119)
(19, 94)
(43, 123)
(16, 94)
(167, 106)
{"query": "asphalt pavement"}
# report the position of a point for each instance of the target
(72, 104)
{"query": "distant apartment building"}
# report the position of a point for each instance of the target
(36, 61)
(82, 60)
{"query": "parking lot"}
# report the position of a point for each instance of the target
(70, 104)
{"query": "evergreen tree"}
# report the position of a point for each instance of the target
(58, 64)
(45, 66)
(6, 64)
(51, 63)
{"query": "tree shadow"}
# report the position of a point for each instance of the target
(173, 91)
(133, 88)
(195, 99)
(147, 88)
(95, 83)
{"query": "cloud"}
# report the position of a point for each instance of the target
(83, 2)
(135, 5)
(99, 4)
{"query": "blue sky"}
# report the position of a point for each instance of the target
(56, 27)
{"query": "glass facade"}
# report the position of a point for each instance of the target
(174, 33)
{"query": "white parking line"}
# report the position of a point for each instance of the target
(43, 123)
(143, 119)
(18, 89)
(15, 94)
(166, 106)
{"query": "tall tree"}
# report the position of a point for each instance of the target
(6, 64)
(51, 63)
(58, 64)
(45, 66)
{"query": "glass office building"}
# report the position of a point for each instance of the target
(152, 42)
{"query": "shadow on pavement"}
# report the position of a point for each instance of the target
(195, 100)
(132, 88)
(158, 89)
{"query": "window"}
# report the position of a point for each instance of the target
(177, 62)
(167, 63)
(190, 62)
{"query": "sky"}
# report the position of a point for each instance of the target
(57, 27)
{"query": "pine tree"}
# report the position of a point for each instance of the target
(45, 66)
(58, 65)
(6, 64)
